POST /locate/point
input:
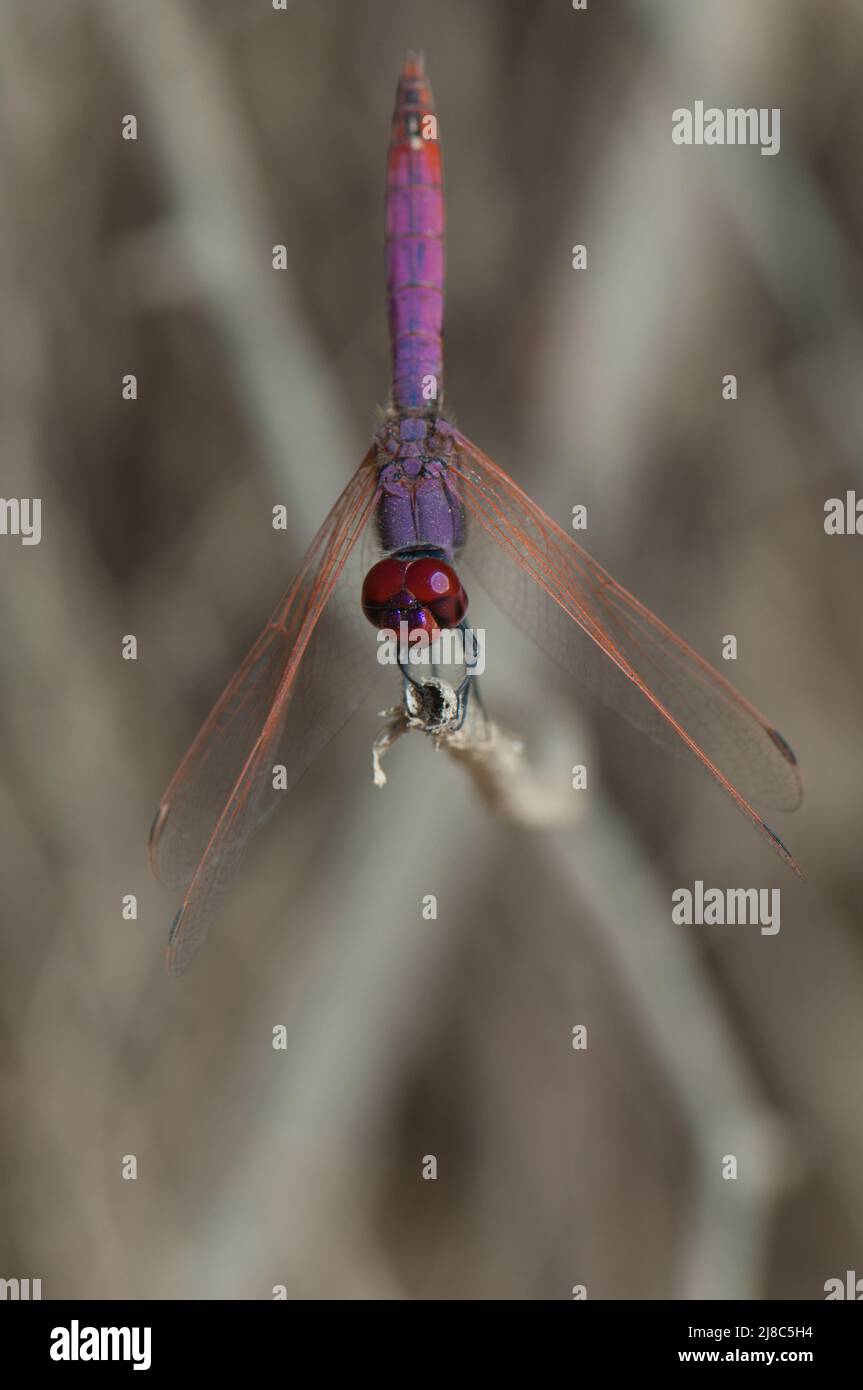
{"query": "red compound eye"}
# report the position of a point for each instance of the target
(383, 581)
(431, 580)
(438, 586)
(424, 593)
(448, 612)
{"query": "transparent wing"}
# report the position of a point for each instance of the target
(602, 635)
(309, 669)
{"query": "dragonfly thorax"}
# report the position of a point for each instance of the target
(419, 502)
(422, 437)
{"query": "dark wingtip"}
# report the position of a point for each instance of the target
(171, 964)
(175, 926)
(156, 833)
(786, 853)
(784, 746)
(175, 962)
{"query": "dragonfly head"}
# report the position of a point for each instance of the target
(416, 586)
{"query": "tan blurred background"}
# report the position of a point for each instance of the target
(409, 1037)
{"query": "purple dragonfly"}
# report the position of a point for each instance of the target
(424, 502)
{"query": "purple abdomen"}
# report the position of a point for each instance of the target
(414, 245)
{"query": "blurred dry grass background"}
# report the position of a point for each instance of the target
(409, 1037)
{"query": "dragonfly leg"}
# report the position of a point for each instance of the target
(469, 683)
(434, 700)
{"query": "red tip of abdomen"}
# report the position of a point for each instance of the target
(413, 66)
(414, 105)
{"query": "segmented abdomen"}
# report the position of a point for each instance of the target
(414, 245)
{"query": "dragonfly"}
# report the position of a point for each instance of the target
(425, 507)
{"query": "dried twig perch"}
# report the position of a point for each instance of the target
(492, 756)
